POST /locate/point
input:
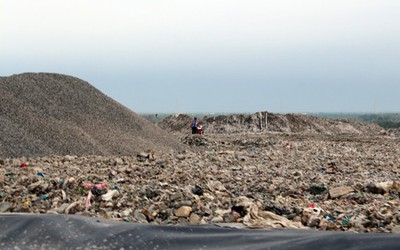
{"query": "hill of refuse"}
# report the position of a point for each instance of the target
(270, 122)
(256, 171)
(53, 114)
(254, 180)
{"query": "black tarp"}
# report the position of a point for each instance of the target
(31, 231)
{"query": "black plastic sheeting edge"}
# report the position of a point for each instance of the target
(19, 231)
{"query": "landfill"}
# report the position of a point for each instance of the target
(343, 182)
(68, 149)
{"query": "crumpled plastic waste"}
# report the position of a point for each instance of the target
(257, 218)
(110, 195)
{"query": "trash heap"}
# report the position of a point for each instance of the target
(269, 180)
(271, 122)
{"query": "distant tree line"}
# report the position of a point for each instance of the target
(385, 120)
(389, 124)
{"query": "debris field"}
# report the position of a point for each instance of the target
(345, 182)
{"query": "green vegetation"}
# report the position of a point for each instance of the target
(385, 120)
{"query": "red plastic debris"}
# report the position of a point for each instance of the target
(98, 186)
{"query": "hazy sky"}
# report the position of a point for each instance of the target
(214, 55)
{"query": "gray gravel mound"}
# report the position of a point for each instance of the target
(52, 114)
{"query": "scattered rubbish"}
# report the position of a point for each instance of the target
(72, 208)
(277, 210)
(88, 204)
(257, 218)
(197, 190)
(316, 190)
(346, 220)
(383, 187)
(183, 211)
(329, 217)
(91, 186)
(340, 191)
(239, 210)
(110, 195)
(4, 206)
(324, 184)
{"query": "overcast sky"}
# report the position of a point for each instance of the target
(214, 55)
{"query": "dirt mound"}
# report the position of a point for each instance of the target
(53, 114)
(265, 121)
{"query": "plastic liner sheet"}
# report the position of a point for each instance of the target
(18, 231)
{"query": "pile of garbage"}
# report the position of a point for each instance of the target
(394, 132)
(195, 140)
(270, 122)
(270, 180)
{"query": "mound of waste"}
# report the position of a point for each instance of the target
(270, 122)
(52, 114)
(393, 132)
(271, 180)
